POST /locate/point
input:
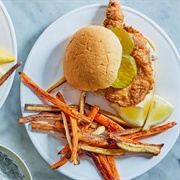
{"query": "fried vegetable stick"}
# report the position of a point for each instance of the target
(9, 72)
(93, 139)
(110, 115)
(101, 165)
(64, 107)
(74, 128)
(151, 131)
(46, 127)
(41, 116)
(107, 122)
(73, 142)
(57, 84)
(135, 146)
(41, 107)
(62, 161)
(99, 130)
(91, 116)
(65, 149)
(117, 152)
(82, 102)
(59, 124)
(113, 167)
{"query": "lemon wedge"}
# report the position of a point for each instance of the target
(159, 112)
(126, 73)
(135, 115)
(5, 57)
(2, 71)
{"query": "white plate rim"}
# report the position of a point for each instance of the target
(11, 28)
(64, 16)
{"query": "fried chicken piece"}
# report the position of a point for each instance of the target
(114, 15)
(143, 82)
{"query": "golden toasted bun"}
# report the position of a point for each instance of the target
(92, 58)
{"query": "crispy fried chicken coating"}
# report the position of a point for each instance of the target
(143, 82)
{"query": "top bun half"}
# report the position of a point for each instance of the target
(92, 58)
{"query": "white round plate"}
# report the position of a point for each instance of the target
(44, 66)
(7, 42)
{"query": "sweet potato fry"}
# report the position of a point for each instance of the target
(107, 122)
(64, 107)
(45, 127)
(151, 131)
(9, 72)
(41, 116)
(117, 152)
(74, 128)
(57, 84)
(113, 167)
(41, 107)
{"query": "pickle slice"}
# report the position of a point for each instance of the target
(126, 73)
(125, 39)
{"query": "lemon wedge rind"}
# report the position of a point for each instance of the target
(159, 112)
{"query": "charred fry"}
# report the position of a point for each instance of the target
(64, 107)
(9, 72)
(41, 116)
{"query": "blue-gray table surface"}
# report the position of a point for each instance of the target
(30, 18)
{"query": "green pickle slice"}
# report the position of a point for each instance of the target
(127, 72)
(125, 39)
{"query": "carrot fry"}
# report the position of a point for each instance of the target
(151, 131)
(9, 72)
(59, 124)
(74, 128)
(65, 149)
(60, 97)
(91, 116)
(64, 107)
(57, 84)
(101, 165)
(61, 162)
(37, 117)
(106, 166)
(115, 118)
(41, 107)
(45, 127)
(107, 122)
(113, 167)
